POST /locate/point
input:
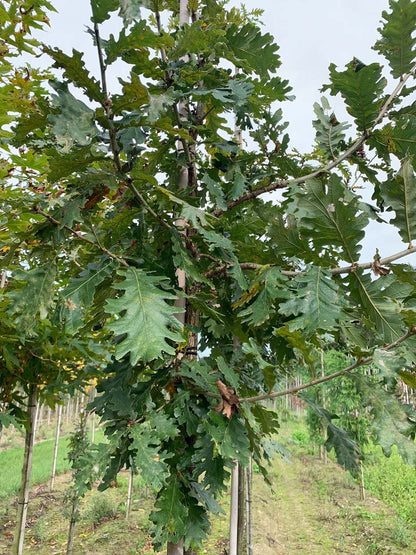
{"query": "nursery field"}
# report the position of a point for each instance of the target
(313, 508)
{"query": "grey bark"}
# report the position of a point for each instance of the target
(90, 400)
(35, 421)
(324, 431)
(177, 548)
(23, 496)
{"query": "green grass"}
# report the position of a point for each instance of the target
(11, 461)
(393, 481)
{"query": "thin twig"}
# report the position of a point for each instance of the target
(143, 201)
(42, 358)
(159, 30)
(326, 168)
(107, 103)
(113, 133)
(82, 237)
(221, 269)
(348, 369)
(101, 60)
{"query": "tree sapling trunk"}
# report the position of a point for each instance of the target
(23, 496)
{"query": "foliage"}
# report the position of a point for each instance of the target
(108, 198)
(100, 508)
(397, 41)
(145, 311)
(393, 481)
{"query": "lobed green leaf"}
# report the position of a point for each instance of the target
(144, 320)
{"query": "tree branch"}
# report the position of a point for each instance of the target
(113, 132)
(368, 265)
(145, 204)
(82, 237)
(326, 168)
(348, 369)
(107, 103)
(159, 30)
(293, 273)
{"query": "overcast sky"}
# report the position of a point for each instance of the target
(311, 35)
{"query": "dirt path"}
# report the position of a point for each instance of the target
(316, 510)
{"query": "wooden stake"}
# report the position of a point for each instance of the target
(130, 491)
(234, 510)
(55, 449)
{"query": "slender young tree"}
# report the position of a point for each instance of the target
(78, 447)
(23, 495)
(129, 186)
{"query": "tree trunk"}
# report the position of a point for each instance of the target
(188, 316)
(287, 396)
(68, 410)
(23, 497)
(76, 411)
(234, 510)
(41, 411)
(55, 449)
(93, 427)
(175, 548)
(324, 431)
(71, 533)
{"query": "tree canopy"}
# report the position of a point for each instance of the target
(107, 198)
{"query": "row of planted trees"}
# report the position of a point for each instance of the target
(136, 232)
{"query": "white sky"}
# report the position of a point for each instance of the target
(311, 35)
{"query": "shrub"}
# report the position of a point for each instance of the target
(100, 507)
